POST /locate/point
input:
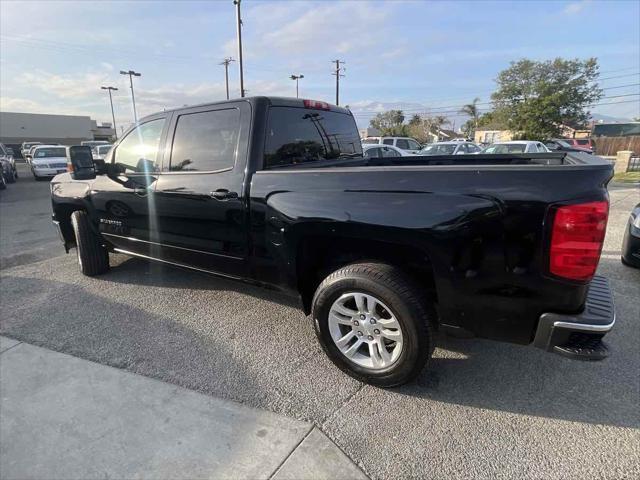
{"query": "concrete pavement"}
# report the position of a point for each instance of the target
(64, 417)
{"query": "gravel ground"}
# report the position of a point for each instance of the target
(482, 409)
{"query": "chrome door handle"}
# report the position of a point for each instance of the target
(223, 194)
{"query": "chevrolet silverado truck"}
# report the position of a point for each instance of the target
(381, 252)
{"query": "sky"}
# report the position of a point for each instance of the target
(421, 56)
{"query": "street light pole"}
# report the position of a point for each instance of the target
(113, 116)
(296, 78)
(132, 74)
(226, 63)
(239, 21)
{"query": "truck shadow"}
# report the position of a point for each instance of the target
(157, 274)
(525, 380)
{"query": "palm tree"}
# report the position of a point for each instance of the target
(471, 109)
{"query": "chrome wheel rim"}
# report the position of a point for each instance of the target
(365, 330)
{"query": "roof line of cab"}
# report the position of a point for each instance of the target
(273, 101)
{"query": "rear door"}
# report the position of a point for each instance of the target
(200, 207)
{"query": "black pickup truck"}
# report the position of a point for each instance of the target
(381, 252)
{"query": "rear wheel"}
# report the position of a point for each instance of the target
(93, 258)
(13, 175)
(374, 323)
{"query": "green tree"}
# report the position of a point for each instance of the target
(536, 98)
(472, 110)
(389, 123)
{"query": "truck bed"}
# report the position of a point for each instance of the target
(554, 159)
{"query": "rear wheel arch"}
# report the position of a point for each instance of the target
(319, 256)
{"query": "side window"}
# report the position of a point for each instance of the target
(301, 135)
(389, 152)
(388, 141)
(413, 145)
(462, 148)
(473, 148)
(402, 143)
(205, 141)
(372, 153)
(138, 151)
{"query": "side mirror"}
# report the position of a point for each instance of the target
(81, 163)
(552, 146)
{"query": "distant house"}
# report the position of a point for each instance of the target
(616, 129)
(369, 132)
(445, 135)
(492, 135)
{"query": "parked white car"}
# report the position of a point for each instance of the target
(517, 146)
(450, 148)
(407, 144)
(26, 146)
(382, 151)
(101, 151)
(48, 161)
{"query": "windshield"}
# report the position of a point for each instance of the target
(438, 149)
(564, 143)
(104, 149)
(30, 144)
(506, 148)
(94, 144)
(370, 141)
(301, 135)
(50, 152)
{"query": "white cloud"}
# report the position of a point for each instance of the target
(315, 29)
(575, 7)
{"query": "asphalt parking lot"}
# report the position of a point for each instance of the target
(481, 409)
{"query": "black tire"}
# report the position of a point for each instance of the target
(12, 177)
(93, 258)
(397, 291)
(3, 184)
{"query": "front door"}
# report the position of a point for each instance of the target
(200, 203)
(123, 200)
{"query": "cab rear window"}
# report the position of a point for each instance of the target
(301, 135)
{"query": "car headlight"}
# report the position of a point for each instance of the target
(636, 222)
(39, 165)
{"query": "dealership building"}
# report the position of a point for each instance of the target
(16, 128)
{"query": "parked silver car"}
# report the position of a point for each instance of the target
(450, 148)
(517, 146)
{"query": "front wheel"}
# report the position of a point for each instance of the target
(93, 258)
(373, 323)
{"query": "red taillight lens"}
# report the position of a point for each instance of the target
(577, 238)
(316, 105)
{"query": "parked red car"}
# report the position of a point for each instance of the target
(581, 143)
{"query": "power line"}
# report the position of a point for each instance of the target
(338, 75)
(226, 63)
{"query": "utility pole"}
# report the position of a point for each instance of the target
(296, 78)
(338, 75)
(132, 74)
(113, 116)
(226, 63)
(239, 21)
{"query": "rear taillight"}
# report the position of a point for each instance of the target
(316, 104)
(576, 239)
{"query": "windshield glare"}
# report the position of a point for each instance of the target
(50, 152)
(438, 150)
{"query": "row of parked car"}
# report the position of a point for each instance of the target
(375, 147)
(48, 160)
